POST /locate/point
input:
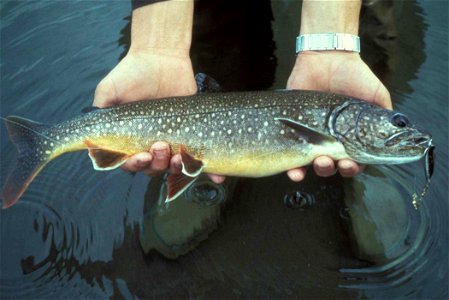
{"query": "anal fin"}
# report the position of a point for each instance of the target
(105, 159)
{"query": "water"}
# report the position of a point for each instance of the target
(76, 232)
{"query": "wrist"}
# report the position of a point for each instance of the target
(162, 28)
(330, 16)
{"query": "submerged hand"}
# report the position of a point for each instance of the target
(144, 75)
(342, 73)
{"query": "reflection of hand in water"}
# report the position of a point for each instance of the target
(334, 71)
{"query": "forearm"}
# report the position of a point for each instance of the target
(164, 27)
(330, 16)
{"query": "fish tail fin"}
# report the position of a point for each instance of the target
(34, 151)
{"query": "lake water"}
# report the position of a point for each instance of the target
(77, 233)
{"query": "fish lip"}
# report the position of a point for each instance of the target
(407, 138)
(419, 141)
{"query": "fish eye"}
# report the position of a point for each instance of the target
(399, 120)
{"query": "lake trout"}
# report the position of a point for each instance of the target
(248, 134)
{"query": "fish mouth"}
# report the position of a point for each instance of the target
(409, 139)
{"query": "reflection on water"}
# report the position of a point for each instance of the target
(78, 233)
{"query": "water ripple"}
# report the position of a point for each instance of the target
(411, 269)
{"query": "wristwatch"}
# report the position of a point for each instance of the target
(327, 41)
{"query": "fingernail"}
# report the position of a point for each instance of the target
(345, 164)
(160, 153)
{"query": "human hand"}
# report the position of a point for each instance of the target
(341, 73)
(148, 75)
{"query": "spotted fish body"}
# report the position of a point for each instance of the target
(241, 134)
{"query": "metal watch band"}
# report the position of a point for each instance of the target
(327, 41)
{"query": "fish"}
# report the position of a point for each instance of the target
(246, 134)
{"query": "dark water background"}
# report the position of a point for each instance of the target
(75, 233)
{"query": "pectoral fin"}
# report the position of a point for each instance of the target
(105, 159)
(309, 134)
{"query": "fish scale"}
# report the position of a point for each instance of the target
(249, 134)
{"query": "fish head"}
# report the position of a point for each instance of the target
(373, 135)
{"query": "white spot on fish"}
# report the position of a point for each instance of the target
(121, 123)
(169, 130)
(139, 126)
(212, 133)
(200, 134)
(159, 121)
(108, 125)
(282, 131)
(265, 123)
(229, 131)
(66, 139)
(250, 129)
(187, 129)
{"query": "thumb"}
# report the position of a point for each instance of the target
(105, 93)
(382, 97)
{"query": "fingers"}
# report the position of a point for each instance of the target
(349, 168)
(137, 162)
(153, 162)
(324, 166)
(218, 179)
(297, 174)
